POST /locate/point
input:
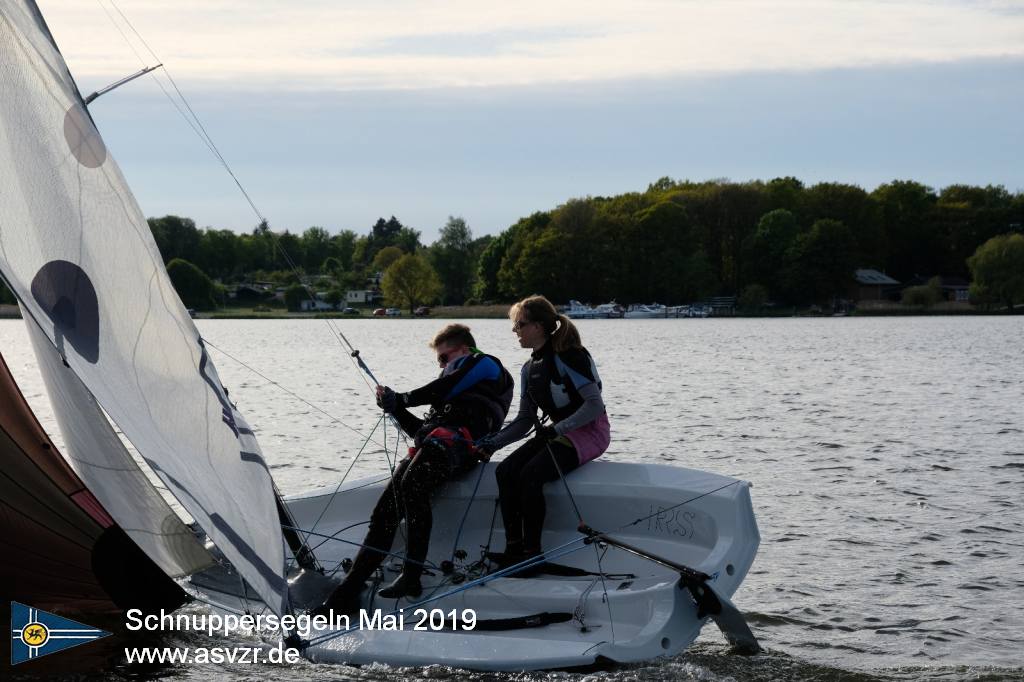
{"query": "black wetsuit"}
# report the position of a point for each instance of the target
(565, 387)
(474, 395)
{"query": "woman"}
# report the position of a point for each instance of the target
(561, 380)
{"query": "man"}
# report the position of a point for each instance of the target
(469, 399)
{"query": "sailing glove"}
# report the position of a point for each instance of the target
(388, 400)
(484, 448)
(547, 432)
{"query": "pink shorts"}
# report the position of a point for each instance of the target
(591, 440)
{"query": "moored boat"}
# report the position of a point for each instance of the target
(646, 311)
(610, 310)
(579, 311)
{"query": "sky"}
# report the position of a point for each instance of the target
(335, 113)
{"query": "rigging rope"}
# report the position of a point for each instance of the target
(330, 501)
(675, 506)
(292, 393)
(425, 564)
(555, 553)
(465, 514)
(579, 517)
(194, 122)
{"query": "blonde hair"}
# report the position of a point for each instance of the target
(557, 327)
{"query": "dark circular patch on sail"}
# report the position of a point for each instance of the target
(83, 139)
(68, 298)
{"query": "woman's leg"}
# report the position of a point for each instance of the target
(508, 474)
(540, 469)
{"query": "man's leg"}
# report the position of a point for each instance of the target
(508, 474)
(384, 520)
(431, 467)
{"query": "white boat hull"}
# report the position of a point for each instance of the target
(644, 617)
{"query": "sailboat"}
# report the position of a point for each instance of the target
(662, 549)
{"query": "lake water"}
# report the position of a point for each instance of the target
(886, 455)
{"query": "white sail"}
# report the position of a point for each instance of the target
(78, 253)
(105, 466)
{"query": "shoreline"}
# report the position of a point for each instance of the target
(500, 311)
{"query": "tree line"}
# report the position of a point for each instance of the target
(682, 241)
(675, 242)
(443, 271)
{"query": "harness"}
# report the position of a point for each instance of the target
(448, 438)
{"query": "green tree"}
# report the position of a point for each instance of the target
(923, 296)
(906, 215)
(386, 233)
(194, 287)
(754, 298)
(824, 261)
(967, 217)
(332, 267)
(218, 253)
(411, 281)
(294, 295)
(700, 278)
(452, 258)
(335, 297)
(511, 283)
(998, 270)
(767, 249)
(488, 265)
(659, 244)
(256, 250)
(385, 257)
(342, 247)
(408, 240)
(785, 193)
(176, 237)
(852, 206)
(288, 252)
(315, 244)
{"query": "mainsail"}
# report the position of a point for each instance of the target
(78, 253)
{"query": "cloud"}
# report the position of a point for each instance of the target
(402, 44)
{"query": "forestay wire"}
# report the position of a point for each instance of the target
(192, 119)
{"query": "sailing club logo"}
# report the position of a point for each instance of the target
(36, 633)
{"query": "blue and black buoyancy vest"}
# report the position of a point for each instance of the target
(554, 380)
(479, 398)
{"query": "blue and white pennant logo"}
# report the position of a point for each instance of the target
(36, 633)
